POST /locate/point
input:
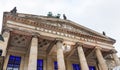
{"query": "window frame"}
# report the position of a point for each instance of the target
(14, 62)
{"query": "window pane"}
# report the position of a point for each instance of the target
(9, 68)
(76, 66)
(92, 68)
(15, 68)
(55, 65)
(39, 64)
(10, 65)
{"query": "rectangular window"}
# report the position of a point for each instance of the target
(14, 63)
(76, 66)
(92, 68)
(55, 65)
(39, 64)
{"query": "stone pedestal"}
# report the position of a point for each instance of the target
(32, 64)
(83, 62)
(60, 56)
(101, 60)
(116, 59)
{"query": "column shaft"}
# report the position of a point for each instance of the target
(60, 56)
(32, 65)
(83, 62)
(116, 59)
(101, 60)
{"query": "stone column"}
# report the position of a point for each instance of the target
(100, 59)
(60, 56)
(116, 59)
(32, 64)
(6, 36)
(83, 62)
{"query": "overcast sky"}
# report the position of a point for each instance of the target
(99, 15)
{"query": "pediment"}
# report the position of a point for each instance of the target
(56, 24)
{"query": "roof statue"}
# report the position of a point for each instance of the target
(49, 14)
(57, 16)
(14, 11)
(64, 17)
(104, 33)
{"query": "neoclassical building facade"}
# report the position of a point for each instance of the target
(33, 42)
